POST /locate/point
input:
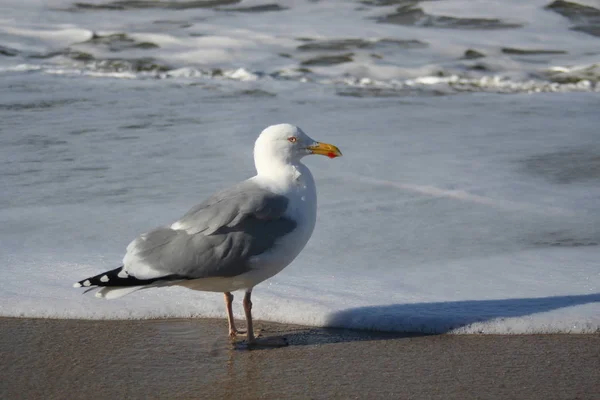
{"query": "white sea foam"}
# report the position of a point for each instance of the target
(425, 84)
(539, 302)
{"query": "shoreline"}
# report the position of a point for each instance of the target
(194, 358)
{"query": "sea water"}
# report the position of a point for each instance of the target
(467, 200)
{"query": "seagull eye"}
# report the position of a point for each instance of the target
(293, 139)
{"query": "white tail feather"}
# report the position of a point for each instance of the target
(114, 292)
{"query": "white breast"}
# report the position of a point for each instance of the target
(302, 208)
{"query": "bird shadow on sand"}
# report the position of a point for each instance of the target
(418, 319)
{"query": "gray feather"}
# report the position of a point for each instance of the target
(227, 208)
(218, 237)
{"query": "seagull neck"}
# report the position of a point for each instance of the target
(279, 170)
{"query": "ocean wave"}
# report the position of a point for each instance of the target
(556, 79)
(361, 48)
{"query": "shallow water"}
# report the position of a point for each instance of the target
(449, 212)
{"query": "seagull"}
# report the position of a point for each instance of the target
(237, 238)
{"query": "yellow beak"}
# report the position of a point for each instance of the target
(325, 149)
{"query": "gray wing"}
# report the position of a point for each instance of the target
(214, 239)
(229, 207)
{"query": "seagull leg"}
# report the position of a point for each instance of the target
(228, 303)
(252, 340)
(248, 311)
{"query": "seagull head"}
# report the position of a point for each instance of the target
(288, 144)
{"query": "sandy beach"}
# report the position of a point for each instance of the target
(57, 359)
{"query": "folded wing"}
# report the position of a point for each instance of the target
(214, 239)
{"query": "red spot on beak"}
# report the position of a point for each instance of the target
(331, 155)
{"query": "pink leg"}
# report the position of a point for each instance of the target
(248, 311)
(228, 301)
(252, 341)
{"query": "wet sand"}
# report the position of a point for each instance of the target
(194, 359)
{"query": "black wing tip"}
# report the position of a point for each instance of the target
(103, 279)
(118, 277)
